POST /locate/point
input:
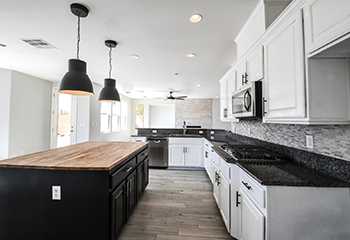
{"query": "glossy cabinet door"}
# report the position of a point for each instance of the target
(225, 201)
(252, 221)
(255, 65)
(176, 155)
(145, 173)
(216, 184)
(193, 156)
(140, 179)
(131, 188)
(284, 71)
(241, 70)
(117, 211)
(325, 21)
(223, 99)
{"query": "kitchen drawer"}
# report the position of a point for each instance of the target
(216, 158)
(253, 189)
(142, 155)
(186, 141)
(122, 173)
(225, 168)
(207, 143)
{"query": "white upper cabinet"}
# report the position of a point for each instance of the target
(227, 86)
(325, 22)
(285, 82)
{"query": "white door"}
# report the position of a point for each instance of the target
(284, 64)
(225, 200)
(193, 156)
(63, 119)
(255, 65)
(176, 155)
(252, 220)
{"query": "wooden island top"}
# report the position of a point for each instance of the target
(81, 156)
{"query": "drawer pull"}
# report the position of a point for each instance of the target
(237, 196)
(247, 185)
(144, 154)
(128, 170)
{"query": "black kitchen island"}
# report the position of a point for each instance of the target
(84, 191)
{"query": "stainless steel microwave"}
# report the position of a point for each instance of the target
(247, 101)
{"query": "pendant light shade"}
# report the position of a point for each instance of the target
(76, 81)
(109, 93)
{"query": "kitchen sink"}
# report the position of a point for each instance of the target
(183, 135)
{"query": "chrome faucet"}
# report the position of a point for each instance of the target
(184, 127)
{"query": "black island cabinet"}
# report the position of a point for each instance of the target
(91, 204)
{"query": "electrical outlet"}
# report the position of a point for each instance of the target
(212, 137)
(249, 131)
(211, 132)
(56, 192)
(309, 141)
(154, 131)
(22, 152)
(200, 132)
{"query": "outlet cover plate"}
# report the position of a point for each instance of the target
(309, 141)
(56, 192)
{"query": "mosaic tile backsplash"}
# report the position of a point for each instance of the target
(194, 112)
(333, 141)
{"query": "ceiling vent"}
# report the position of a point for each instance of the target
(38, 43)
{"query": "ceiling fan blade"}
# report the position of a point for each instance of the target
(181, 97)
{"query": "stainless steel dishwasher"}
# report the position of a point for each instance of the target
(158, 152)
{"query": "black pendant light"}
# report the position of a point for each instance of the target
(76, 81)
(109, 93)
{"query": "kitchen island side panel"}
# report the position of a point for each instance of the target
(28, 210)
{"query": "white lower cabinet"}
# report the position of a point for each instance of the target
(222, 188)
(289, 213)
(208, 164)
(252, 221)
(185, 152)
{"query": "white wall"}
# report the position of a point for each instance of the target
(161, 116)
(83, 118)
(5, 94)
(30, 108)
(95, 109)
(147, 103)
(216, 122)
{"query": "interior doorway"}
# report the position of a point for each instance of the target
(63, 119)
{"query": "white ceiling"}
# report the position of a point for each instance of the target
(158, 31)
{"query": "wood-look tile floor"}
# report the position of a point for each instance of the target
(177, 205)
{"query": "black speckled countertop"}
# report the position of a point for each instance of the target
(289, 173)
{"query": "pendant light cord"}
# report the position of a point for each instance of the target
(78, 39)
(110, 62)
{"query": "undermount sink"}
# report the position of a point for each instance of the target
(183, 135)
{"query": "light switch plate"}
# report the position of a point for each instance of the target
(200, 132)
(154, 131)
(56, 192)
(211, 132)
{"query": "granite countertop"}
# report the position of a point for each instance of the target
(283, 174)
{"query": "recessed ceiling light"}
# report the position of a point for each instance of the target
(134, 56)
(127, 92)
(140, 91)
(199, 85)
(2, 45)
(195, 18)
(191, 55)
(217, 96)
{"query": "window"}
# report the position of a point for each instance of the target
(124, 115)
(105, 121)
(139, 123)
(116, 117)
(113, 116)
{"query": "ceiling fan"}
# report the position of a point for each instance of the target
(172, 98)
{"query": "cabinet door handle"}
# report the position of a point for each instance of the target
(246, 78)
(218, 180)
(247, 185)
(242, 79)
(128, 170)
(127, 188)
(237, 201)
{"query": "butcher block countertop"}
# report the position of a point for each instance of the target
(81, 156)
